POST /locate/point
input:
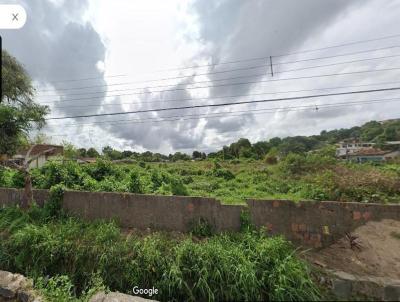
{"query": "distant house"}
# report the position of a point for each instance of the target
(372, 155)
(349, 147)
(38, 149)
(86, 160)
(358, 151)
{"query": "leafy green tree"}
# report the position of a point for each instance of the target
(69, 150)
(196, 154)
(82, 152)
(126, 153)
(19, 114)
(92, 152)
(107, 150)
(261, 148)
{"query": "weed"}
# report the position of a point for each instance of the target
(243, 266)
(201, 228)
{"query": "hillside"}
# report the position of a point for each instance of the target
(373, 131)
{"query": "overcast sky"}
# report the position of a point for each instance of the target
(99, 56)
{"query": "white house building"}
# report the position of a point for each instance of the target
(55, 152)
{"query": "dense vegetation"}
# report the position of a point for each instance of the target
(377, 132)
(79, 258)
(314, 176)
(18, 112)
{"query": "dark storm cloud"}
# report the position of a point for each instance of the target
(178, 134)
(252, 29)
(55, 45)
(232, 30)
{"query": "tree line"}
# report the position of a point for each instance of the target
(373, 131)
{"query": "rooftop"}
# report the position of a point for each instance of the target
(40, 148)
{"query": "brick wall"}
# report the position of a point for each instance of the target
(314, 224)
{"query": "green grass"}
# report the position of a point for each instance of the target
(297, 177)
(81, 257)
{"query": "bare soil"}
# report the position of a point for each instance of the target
(378, 253)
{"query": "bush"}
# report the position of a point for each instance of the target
(178, 188)
(17, 179)
(218, 171)
(100, 169)
(246, 266)
(53, 206)
(135, 184)
(297, 164)
(201, 228)
(271, 159)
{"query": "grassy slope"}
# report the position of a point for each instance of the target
(296, 177)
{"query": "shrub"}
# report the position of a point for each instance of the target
(100, 169)
(17, 179)
(201, 228)
(246, 224)
(178, 188)
(53, 206)
(246, 266)
(271, 159)
(135, 184)
(218, 171)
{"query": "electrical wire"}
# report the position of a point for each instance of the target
(225, 104)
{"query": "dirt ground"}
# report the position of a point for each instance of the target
(378, 253)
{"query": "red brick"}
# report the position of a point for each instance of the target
(356, 215)
(302, 227)
(367, 215)
(190, 207)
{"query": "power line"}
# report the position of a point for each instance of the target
(212, 99)
(217, 72)
(226, 104)
(244, 83)
(338, 55)
(338, 63)
(338, 45)
(223, 114)
(282, 55)
(229, 70)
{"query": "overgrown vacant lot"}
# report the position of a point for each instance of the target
(311, 177)
(81, 258)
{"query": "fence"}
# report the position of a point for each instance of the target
(315, 224)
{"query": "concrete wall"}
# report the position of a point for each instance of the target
(10, 196)
(150, 211)
(314, 224)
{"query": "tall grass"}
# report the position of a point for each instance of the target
(308, 176)
(245, 266)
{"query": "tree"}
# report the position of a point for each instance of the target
(196, 154)
(92, 152)
(69, 150)
(19, 114)
(107, 150)
(82, 152)
(261, 148)
(41, 138)
(27, 197)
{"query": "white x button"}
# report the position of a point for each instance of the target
(12, 16)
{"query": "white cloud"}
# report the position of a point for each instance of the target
(79, 39)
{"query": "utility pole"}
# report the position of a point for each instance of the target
(270, 63)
